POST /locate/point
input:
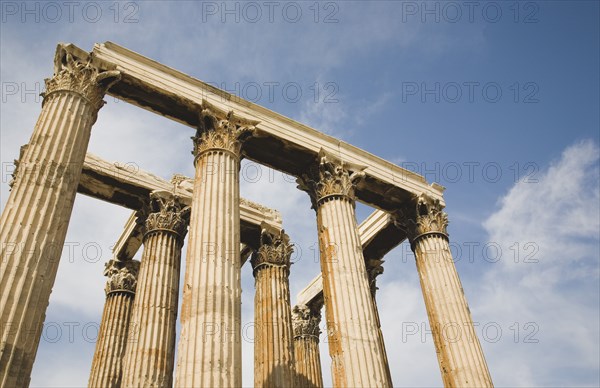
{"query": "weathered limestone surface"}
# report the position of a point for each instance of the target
(35, 219)
(378, 236)
(210, 348)
(375, 268)
(306, 321)
(358, 360)
(150, 353)
(273, 347)
(461, 359)
(114, 326)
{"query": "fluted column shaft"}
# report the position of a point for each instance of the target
(114, 326)
(150, 353)
(459, 352)
(358, 359)
(273, 347)
(306, 322)
(210, 349)
(35, 219)
(375, 268)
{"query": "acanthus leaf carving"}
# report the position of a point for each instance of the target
(306, 321)
(167, 212)
(220, 130)
(425, 216)
(374, 268)
(330, 177)
(122, 276)
(275, 250)
(82, 77)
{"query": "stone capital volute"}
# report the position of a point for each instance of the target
(330, 178)
(122, 276)
(305, 321)
(374, 268)
(167, 213)
(275, 250)
(424, 217)
(221, 131)
(81, 77)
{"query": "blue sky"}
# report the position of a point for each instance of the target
(496, 101)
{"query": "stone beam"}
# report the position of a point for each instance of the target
(130, 241)
(378, 236)
(126, 185)
(160, 89)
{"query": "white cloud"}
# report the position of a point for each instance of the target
(552, 297)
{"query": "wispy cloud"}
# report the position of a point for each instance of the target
(544, 291)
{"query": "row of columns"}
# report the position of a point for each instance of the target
(35, 221)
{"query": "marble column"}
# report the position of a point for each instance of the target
(35, 219)
(210, 348)
(273, 335)
(150, 353)
(114, 327)
(375, 268)
(459, 352)
(306, 321)
(358, 359)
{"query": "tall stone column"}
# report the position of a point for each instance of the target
(375, 268)
(459, 353)
(273, 336)
(306, 321)
(150, 353)
(114, 327)
(210, 348)
(358, 359)
(35, 219)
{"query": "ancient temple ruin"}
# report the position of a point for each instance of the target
(223, 233)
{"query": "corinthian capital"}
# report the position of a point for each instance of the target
(220, 130)
(374, 268)
(275, 250)
(167, 212)
(330, 178)
(424, 217)
(305, 321)
(82, 77)
(122, 276)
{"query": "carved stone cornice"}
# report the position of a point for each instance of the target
(275, 250)
(167, 212)
(330, 178)
(222, 131)
(80, 77)
(374, 269)
(306, 321)
(425, 217)
(122, 276)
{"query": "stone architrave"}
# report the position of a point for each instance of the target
(459, 352)
(35, 219)
(150, 353)
(210, 347)
(306, 321)
(273, 335)
(114, 326)
(358, 358)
